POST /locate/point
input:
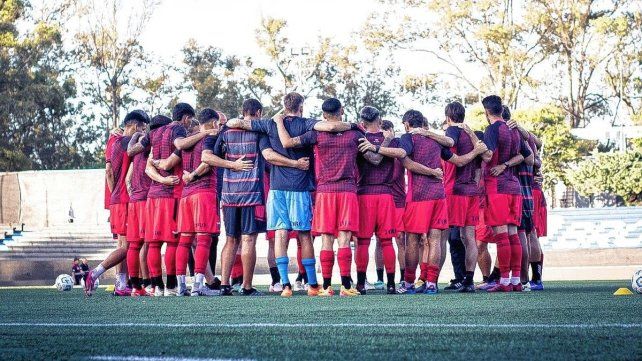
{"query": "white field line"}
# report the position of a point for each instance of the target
(147, 358)
(327, 325)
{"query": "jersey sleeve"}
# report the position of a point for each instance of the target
(308, 138)
(446, 154)
(524, 149)
(490, 137)
(405, 143)
(453, 133)
(264, 143)
(179, 132)
(219, 145)
(209, 143)
(261, 126)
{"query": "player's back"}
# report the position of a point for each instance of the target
(191, 159)
(244, 188)
(376, 179)
(505, 148)
(120, 165)
(465, 182)
(428, 153)
(336, 161)
(162, 147)
(140, 182)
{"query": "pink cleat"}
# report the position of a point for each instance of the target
(500, 288)
(518, 288)
(124, 292)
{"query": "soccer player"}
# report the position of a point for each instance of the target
(426, 209)
(503, 193)
(336, 211)
(198, 215)
(166, 142)
(289, 205)
(116, 172)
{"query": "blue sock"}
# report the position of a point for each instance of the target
(310, 270)
(282, 264)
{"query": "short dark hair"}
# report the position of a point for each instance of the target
(493, 104)
(136, 115)
(369, 114)
(182, 109)
(386, 125)
(331, 106)
(159, 121)
(252, 107)
(506, 113)
(414, 118)
(456, 112)
(207, 115)
(293, 101)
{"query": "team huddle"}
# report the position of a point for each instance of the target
(169, 182)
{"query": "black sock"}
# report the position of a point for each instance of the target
(403, 272)
(536, 268)
(468, 277)
(305, 277)
(361, 278)
(391, 279)
(379, 274)
(346, 282)
(237, 280)
(135, 282)
(146, 282)
(158, 282)
(299, 277)
(172, 282)
(129, 283)
(212, 257)
(485, 279)
(494, 276)
(276, 277)
(327, 282)
(190, 262)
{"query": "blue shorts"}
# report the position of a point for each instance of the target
(289, 210)
(241, 220)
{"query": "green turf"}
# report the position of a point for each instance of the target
(584, 303)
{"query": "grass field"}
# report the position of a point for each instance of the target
(567, 321)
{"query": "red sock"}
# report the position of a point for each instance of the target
(133, 258)
(423, 271)
(154, 259)
(503, 254)
(202, 253)
(299, 258)
(237, 269)
(389, 257)
(170, 258)
(327, 263)
(362, 257)
(409, 274)
(432, 273)
(182, 253)
(515, 255)
(344, 258)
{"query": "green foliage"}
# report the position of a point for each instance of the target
(618, 173)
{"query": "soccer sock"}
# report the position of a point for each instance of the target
(154, 259)
(515, 256)
(170, 264)
(468, 277)
(346, 282)
(282, 264)
(361, 279)
(199, 278)
(389, 260)
(182, 253)
(212, 257)
(402, 274)
(99, 270)
(133, 258)
(536, 267)
(423, 271)
(380, 274)
(432, 273)
(237, 268)
(409, 275)
(503, 254)
(202, 252)
(327, 263)
(305, 277)
(135, 282)
(190, 261)
(122, 281)
(309, 266)
(299, 277)
(158, 282)
(181, 280)
(484, 279)
(361, 259)
(494, 275)
(299, 259)
(274, 273)
(344, 258)
(146, 282)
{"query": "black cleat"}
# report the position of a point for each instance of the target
(454, 285)
(226, 291)
(391, 290)
(466, 288)
(361, 289)
(250, 292)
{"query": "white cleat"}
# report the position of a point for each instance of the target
(526, 287)
(159, 292)
(277, 287)
(298, 286)
(182, 290)
(369, 286)
(171, 292)
(150, 290)
(198, 290)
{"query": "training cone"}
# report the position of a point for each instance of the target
(622, 292)
(112, 287)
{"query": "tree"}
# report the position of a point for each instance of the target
(40, 127)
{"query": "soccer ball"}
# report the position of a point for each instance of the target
(636, 281)
(64, 282)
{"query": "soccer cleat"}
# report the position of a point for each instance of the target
(431, 290)
(159, 292)
(277, 287)
(183, 291)
(298, 286)
(124, 292)
(90, 284)
(349, 292)
(140, 292)
(150, 290)
(536, 286)
(379, 285)
(485, 285)
(391, 290)
(407, 289)
(361, 289)
(328, 292)
(236, 287)
(453, 286)
(500, 288)
(420, 286)
(466, 288)
(517, 287)
(250, 292)
(526, 287)
(369, 286)
(204, 291)
(287, 292)
(171, 292)
(306, 286)
(226, 291)
(314, 291)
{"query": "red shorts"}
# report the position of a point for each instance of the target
(272, 234)
(136, 221)
(399, 219)
(376, 216)
(334, 212)
(462, 210)
(198, 213)
(540, 213)
(422, 216)
(483, 232)
(118, 218)
(160, 220)
(503, 209)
